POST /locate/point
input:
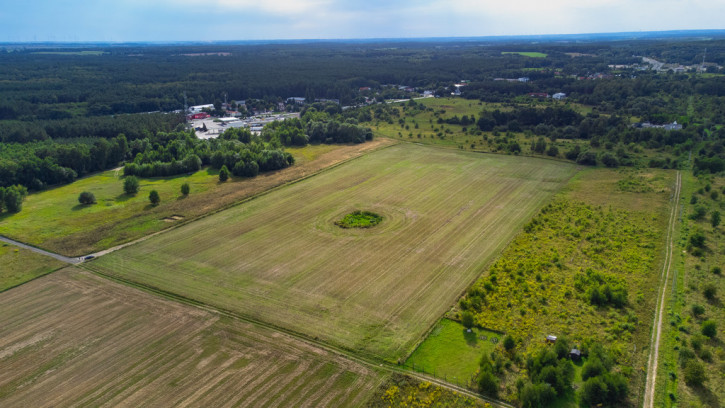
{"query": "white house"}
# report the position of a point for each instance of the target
(559, 96)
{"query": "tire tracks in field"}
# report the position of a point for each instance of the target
(649, 395)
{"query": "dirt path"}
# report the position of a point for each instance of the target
(42, 252)
(649, 392)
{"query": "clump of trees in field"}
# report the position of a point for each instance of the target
(87, 198)
(11, 198)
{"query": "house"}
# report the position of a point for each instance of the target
(296, 100)
(199, 108)
(364, 88)
(575, 354)
(523, 79)
(673, 126)
(551, 339)
(559, 96)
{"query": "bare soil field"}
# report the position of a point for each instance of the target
(281, 259)
(74, 339)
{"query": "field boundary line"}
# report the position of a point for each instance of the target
(659, 311)
(369, 361)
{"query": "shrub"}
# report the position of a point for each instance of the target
(709, 328)
(537, 395)
(223, 173)
(130, 185)
(86, 198)
(185, 189)
(694, 373)
(509, 343)
(716, 270)
(709, 291)
(154, 197)
(697, 239)
(487, 383)
(698, 310)
(715, 219)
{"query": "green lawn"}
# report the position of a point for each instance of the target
(281, 259)
(451, 353)
(526, 54)
(18, 265)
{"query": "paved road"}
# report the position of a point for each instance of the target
(42, 252)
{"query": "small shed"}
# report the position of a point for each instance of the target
(575, 354)
(551, 339)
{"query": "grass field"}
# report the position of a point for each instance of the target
(18, 265)
(451, 353)
(599, 230)
(74, 339)
(54, 220)
(281, 259)
(683, 341)
(526, 54)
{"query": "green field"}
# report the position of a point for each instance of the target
(605, 228)
(451, 353)
(54, 220)
(281, 259)
(75, 339)
(18, 265)
(526, 54)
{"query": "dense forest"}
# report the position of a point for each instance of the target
(64, 114)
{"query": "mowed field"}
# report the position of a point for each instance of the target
(74, 339)
(281, 259)
(18, 265)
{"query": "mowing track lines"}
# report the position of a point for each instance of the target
(659, 312)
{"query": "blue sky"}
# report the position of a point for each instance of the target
(209, 20)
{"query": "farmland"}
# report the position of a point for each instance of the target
(53, 219)
(530, 54)
(21, 265)
(278, 258)
(74, 339)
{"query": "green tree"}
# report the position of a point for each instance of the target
(509, 343)
(715, 219)
(130, 185)
(223, 173)
(709, 328)
(185, 189)
(709, 291)
(488, 383)
(154, 197)
(536, 395)
(86, 198)
(13, 197)
(467, 319)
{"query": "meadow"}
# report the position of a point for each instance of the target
(688, 307)
(74, 339)
(54, 220)
(281, 259)
(530, 54)
(21, 265)
(585, 268)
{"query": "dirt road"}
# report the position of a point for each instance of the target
(649, 392)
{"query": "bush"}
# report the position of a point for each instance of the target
(11, 198)
(698, 310)
(488, 383)
(223, 173)
(154, 197)
(536, 395)
(553, 151)
(694, 373)
(716, 270)
(709, 328)
(697, 239)
(86, 198)
(509, 343)
(709, 291)
(185, 189)
(130, 185)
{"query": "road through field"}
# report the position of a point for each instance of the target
(649, 395)
(70, 260)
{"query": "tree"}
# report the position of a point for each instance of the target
(467, 319)
(509, 343)
(709, 291)
(13, 197)
(86, 198)
(709, 328)
(130, 185)
(715, 219)
(185, 189)
(694, 373)
(154, 197)
(488, 383)
(537, 395)
(223, 173)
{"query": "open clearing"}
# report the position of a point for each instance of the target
(526, 54)
(74, 339)
(53, 219)
(281, 259)
(18, 265)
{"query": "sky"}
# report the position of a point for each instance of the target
(219, 20)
